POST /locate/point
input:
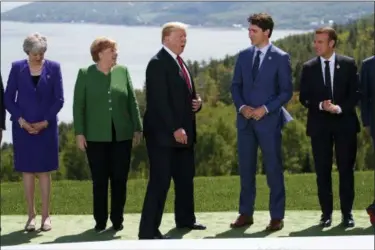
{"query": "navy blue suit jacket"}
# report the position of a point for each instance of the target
(272, 87)
(2, 106)
(368, 93)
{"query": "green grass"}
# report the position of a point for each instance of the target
(212, 194)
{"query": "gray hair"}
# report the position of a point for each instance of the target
(35, 43)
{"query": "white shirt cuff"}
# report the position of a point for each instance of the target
(340, 110)
(239, 110)
(265, 107)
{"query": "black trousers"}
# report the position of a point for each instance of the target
(346, 152)
(167, 163)
(109, 161)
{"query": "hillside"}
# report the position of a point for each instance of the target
(216, 151)
(288, 15)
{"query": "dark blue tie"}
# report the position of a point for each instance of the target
(256, 65)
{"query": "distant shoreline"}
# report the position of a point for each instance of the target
(151, 26)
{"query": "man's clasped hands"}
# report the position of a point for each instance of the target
(253, 113)
(32, 128)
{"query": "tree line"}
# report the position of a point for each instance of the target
(216, 152)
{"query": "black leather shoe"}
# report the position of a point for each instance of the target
(325, 221)
(348, 221)
(118, 227)
(195, 226)
(99, 228)
(157, 237)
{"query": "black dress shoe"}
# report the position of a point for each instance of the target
(99, 228)
(118, 227)
(325, 221)
(348, 221)
(157, 237)
(195, 226)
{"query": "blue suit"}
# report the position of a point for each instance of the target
(368, 94)
(272, 88)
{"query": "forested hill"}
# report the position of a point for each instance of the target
(216, 152)
(287, 15)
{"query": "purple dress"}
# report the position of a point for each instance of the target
(35, 103)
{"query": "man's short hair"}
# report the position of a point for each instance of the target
(263, 21)
(331, 32)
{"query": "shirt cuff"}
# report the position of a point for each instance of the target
(265, 107)
(239, 110)
(339, 109)
(321, 105)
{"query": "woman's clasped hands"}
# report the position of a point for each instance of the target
(32, 128)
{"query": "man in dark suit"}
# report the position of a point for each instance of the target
(170, 133)
(329, 89)
(368, 109)
(261, 85)
(2, 109)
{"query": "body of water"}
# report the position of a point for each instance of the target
(69, 44)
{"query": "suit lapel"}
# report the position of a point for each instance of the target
(250, 63)
(44, 75)
(336, 75)
(319, 71)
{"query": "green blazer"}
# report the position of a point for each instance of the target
(101, 99)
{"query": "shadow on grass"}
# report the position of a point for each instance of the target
(18, 237)
(86, 236)
(311, 231)
(239, 233)
(333, 231)
(178, 233)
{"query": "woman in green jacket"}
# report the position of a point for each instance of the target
(107, 124)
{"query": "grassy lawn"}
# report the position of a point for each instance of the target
(211, 194)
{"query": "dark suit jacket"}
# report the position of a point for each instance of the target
(368, 93)
(168, 102)
(345, 94)
(2, 105)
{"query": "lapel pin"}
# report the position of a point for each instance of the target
(47, 76)
(269, 58)
(338, 66)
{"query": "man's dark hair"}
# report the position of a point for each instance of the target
(331, 32)
(263, 21)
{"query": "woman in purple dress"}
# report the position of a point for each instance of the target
(34, 97)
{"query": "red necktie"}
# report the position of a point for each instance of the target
(186, 76)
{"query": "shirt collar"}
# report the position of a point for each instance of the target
(263, 50)
(331, 59)
(170, 52)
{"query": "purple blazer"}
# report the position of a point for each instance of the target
(44, 102)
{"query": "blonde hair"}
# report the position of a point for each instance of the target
(169, 27)
(100, 44)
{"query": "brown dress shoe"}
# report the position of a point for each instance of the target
(275, 225)
(241, 221)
